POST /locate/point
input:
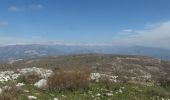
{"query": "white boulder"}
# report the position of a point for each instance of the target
(95, 77)
(41, 84)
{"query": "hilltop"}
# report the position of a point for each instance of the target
(123, 65)
(85, 76)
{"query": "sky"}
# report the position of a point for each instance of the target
(85, 22)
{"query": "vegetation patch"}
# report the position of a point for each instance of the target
(69, 79)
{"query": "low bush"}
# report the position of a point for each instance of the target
(29, 78)
(163, 81)
(69, 79)
(9, 92)
(7, 96)
(157, 92)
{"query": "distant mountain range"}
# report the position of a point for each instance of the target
(14, 52)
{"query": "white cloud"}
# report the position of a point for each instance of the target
(38, 40)
(158, 36)
(24, 8)
(13, 8)
(127, 30)
(11, 41)
(22, 41)
(36, 7)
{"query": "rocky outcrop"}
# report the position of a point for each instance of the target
(11, 75)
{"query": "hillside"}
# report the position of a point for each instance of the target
(122, 65)
(86, 76)
(111, 77)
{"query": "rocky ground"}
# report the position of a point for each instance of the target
(99, 90)
(124, 78)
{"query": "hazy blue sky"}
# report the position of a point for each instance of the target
(108, 22)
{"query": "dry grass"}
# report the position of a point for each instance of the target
(69, 79)
(9, 92)
(164, 81)
(6, 96)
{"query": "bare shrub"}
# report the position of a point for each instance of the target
(69, 79)
(9, 92)
(164, 81)
(5, 96)
(105, 81)
(30, 78)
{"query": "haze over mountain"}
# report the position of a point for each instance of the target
(14, 52)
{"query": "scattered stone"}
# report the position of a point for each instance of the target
(8, 75)
(32, 97)
(20, 84)
(97, 76)
(98, 94)
(44, 73)
(122, 87)
(64, 96)
(109, 94)
(11, 75)
(26, 91)
(119, 91)
(55, 99)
